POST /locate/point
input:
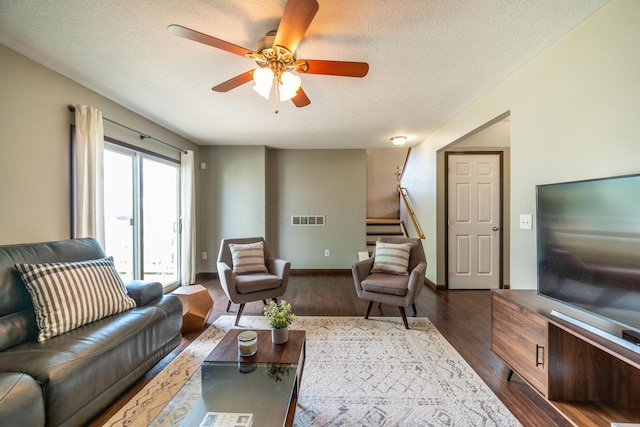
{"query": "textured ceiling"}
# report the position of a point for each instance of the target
(429, 59)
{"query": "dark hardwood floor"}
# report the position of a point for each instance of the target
(463, 317)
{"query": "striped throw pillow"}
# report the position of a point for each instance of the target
(391, 258)
(67, 295)
(248, 258)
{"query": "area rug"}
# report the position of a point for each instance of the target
(357, 373)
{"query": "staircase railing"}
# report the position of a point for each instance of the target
(404, 196)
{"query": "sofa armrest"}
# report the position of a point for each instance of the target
(144, 292)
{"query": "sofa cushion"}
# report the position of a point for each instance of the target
(248, 258)
(82, 371)
(67, 295)
(391, 258)
(21, 400)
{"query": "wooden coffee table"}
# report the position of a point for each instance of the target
(264, 385)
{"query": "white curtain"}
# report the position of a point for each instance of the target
(89, 173)
(188, 219)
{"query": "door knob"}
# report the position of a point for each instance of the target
(496, 228)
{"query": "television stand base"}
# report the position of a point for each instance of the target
(589, 379)
(625, 342)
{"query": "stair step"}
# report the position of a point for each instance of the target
(383, 221)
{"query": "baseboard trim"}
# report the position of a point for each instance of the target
(302, 271)
(434, 286)
(296, 271)
(206, 276)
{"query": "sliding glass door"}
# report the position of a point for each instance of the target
(160, 221)
(142, 215)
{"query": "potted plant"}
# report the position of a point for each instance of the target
(280, 317)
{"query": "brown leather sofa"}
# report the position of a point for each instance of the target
(67, 380)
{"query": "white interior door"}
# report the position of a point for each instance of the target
(474, 187)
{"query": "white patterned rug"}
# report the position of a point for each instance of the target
(357, 372)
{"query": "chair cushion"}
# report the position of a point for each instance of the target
(391, 258)
(248, 258)
(382, 283)
(256, 282)
(67, 295)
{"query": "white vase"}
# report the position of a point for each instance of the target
(280, 336)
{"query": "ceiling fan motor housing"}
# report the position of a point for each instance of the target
(266, 42)
(277, 58)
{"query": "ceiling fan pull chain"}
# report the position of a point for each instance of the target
(276, 92)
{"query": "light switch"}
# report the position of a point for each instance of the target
(526, 221)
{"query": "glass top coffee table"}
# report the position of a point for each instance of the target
(259, 390)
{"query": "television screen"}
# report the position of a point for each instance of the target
(589, 246)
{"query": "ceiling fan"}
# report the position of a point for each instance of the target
(275, 56)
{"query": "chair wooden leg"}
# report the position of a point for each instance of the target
(366, 316)
(509, 375)
(274, 300)
(228, 305)
(239, 314)
(415, 312)
(264, 301)
(404, 317)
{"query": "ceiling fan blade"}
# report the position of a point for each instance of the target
(334, 68)
(296, 18)
(301, 99)
(190, 34)
(234, 82)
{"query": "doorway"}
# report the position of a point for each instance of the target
(474, 237)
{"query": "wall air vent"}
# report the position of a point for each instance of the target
(307, 220)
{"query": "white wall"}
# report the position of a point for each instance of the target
(575, 112)
(34, 146)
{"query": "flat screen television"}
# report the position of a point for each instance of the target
(588, 238)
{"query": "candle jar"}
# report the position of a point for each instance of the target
(247, 343)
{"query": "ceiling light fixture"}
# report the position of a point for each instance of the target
(398, 140)
(276, 65)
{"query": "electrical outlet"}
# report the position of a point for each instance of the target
(525, 221)
(204, 255)
(326, 252)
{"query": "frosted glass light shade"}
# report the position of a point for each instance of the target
(263, 77)
(289, 87)
(399, 140)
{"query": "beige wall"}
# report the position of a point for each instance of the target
(322, 182)
(574, 115)
(383, 165)
(34, 142)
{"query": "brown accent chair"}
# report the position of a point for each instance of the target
(385, 288)
(248, 287)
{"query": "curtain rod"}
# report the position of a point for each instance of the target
(142, 135)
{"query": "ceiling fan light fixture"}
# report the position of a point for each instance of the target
(289, 86)
(263, 78)
(398, 140)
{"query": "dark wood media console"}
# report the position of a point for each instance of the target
(591, 380)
